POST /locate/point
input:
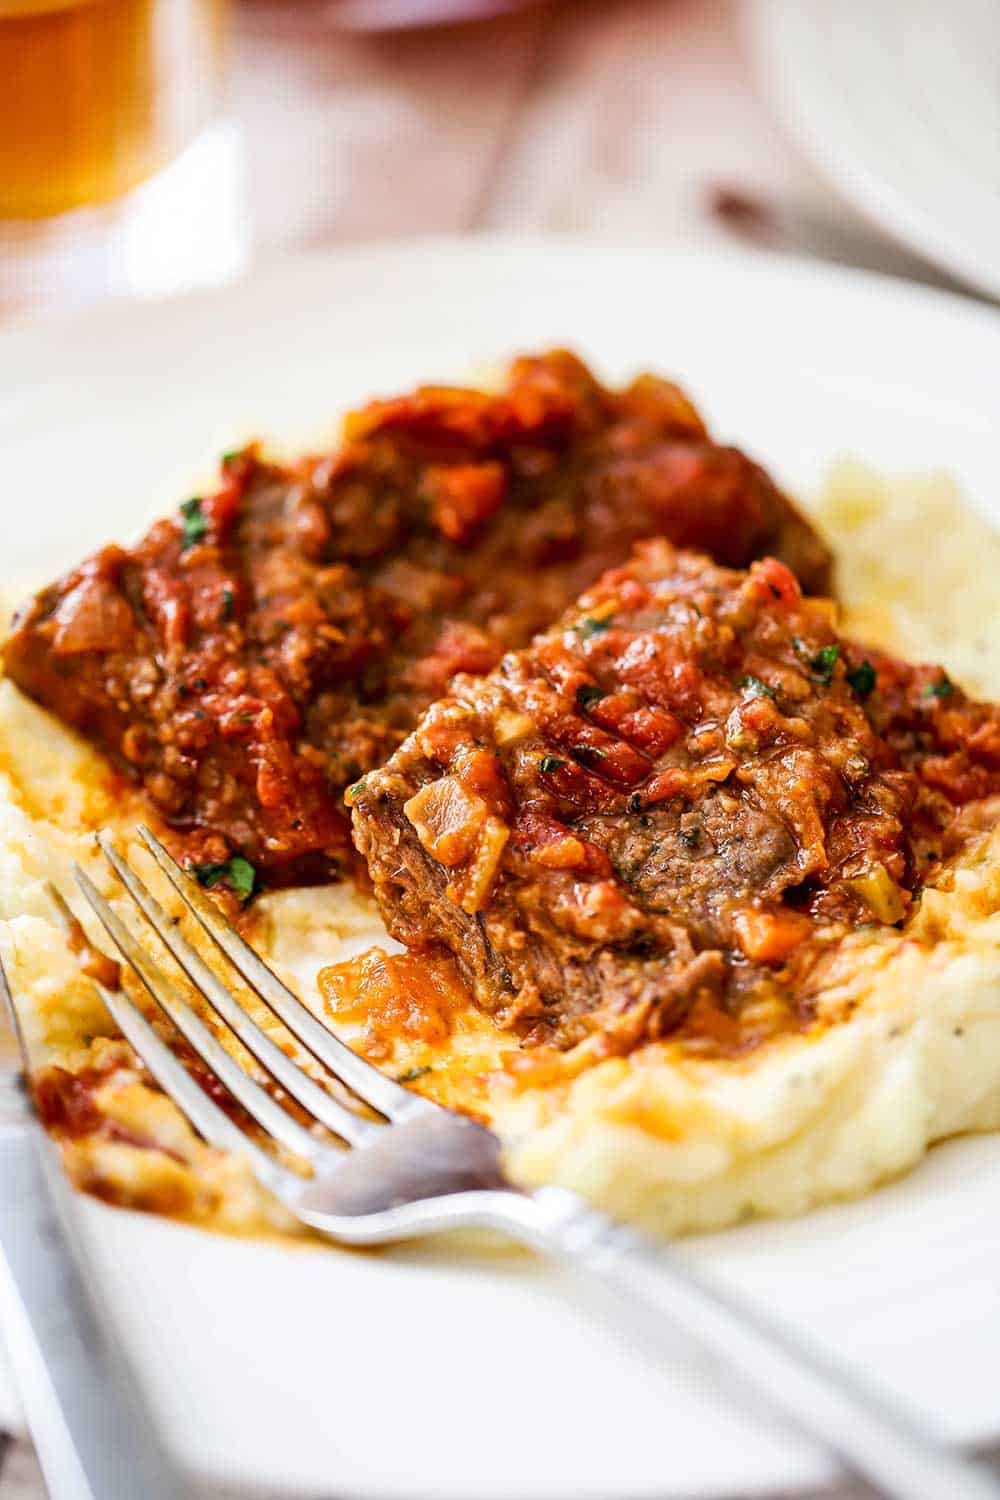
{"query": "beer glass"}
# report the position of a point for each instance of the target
(117, 171)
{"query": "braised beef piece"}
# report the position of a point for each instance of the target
(671, 800)
(270, 643)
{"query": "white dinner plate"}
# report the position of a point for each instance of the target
(899, 102)
(427, 1372)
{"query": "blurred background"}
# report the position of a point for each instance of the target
(147, 146)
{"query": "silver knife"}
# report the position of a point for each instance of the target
(93, 1435)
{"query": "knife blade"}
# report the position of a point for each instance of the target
(94, 1437)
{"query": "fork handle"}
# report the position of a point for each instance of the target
(661, 1295)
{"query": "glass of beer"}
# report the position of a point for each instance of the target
(117, 172)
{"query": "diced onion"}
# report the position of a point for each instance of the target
(880, 893)
(472, 888)
(447, 819)
(510, 726)
(458, 830)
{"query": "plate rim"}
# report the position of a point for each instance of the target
(122, 315)
(980, 321)
(768, 26)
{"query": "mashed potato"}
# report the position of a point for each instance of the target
(916, 570)
(906, 1049)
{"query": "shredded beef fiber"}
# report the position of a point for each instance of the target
(664, 810)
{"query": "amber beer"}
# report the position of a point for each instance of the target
(97, 95)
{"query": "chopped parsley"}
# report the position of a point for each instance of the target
(231, 456)
(589, 693)
(358, 786)
(412, 1074)
(862, 678)
(228, 600)
(550, 763)
(238, 873)
(590, 626)
(822, 664)
(195, 525)
(943, 688)
(760, 689)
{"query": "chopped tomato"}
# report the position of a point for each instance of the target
(677, 781)
(769, 937)
(555, 846)
(463, 497)
(459, 648)
(775, 580)
(649, 729)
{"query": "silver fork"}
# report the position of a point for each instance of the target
(420, 1169)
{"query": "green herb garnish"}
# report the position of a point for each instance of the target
(242, 877)
(590, 626)
(760, 689)
(822, 663)
(228, 600)
(635, 802)
(862, 678)
(232, 455)
(411, 1074)
(357, 786)
(195, 525)
(550, 763)
(237, 872)
(589, 693)
(943, 688)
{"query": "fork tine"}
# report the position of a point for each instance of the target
(368, 1083)
(204, 1114)
(254, 1099)
(335, 1116)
